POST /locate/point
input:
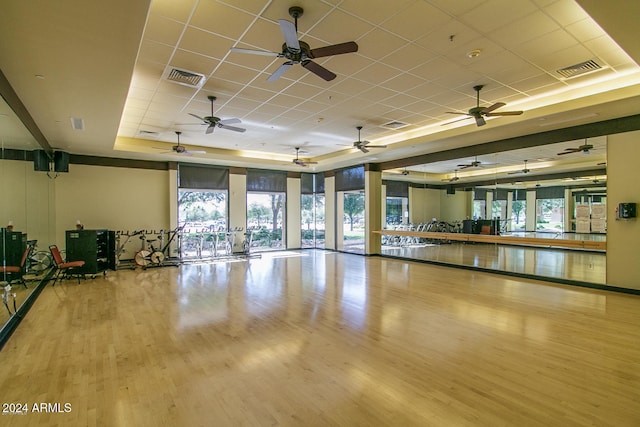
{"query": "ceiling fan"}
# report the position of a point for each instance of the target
(212, 121)
(299, 52)
(474, 164)
(364, 145)
(523, 170)
(454, 178)
(301, 162)
(479, 113)
(181, 149)
(585, 148)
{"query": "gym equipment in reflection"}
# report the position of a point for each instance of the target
(434, 226)
(481, 226)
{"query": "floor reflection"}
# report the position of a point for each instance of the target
(573, 265)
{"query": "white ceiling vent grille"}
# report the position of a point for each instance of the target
(184, 77)
(149, 134)
(395, 125)
(579, 69)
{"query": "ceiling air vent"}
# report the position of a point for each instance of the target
(148, 133)
(395, 125)
(184, 77)
(579, 69)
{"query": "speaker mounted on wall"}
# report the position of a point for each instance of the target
(61, 161)
(41, 161)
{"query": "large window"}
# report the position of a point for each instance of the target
(202, 208)
(550, 209)
(266, 198)
(350, 209)
(518, 211)
(396, 203)
(312, 227)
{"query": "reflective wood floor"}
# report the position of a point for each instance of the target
(565, 264)
(318, 338)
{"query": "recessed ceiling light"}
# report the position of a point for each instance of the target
(474, 53)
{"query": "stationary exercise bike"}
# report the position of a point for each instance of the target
(149, 255)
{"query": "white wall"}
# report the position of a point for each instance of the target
(330, 212)
(623, 236)
(453, 207)
(237, 205)
(294, 215)
(424, 204)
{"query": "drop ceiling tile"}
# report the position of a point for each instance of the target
(376, 11)
(147, 75)
(565, 12)
(313, 12)
(409, 56)
(454, 8)
(189, 61)
(175, 10)
(251, 6)
(534, 84)
(262, 35)
(218, 18)
(205, 43)
(611, 55)
(414, 21)
(163, 30)
(377, 73)
(234, 73)
(399, 101)
(155, 52)
(378, 44)
(494, 14)
(337, 27)
(221, 87)
(536, 50)
(404, 83)
(565, 58)
(585, 30)
(530, 27)
(351, 87)
(286, 101)
(346, 65)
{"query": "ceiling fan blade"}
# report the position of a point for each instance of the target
(376, 146)
(233, 128)
(319, 70)
(504, 113)
(480, 121)
(197, 152)
(210, 129)
(198, 117)
(254, 52)
(455, 112)
(280, 71)
(362, 148)
(336, 49)
(230, 121)
(493, 107)
(465, 166)
(290, 34)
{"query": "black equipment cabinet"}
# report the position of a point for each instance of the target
(12, 247)
(94, 247)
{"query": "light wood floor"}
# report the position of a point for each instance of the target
(571, 265)
(319, 338)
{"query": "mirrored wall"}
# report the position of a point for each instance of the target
(25, 216)
(538, 212)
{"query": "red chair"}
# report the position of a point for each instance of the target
(15, 272)
(65, 268)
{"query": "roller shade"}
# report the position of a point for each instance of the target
(202, 177)
(311, 183)
(266, 180)
(550, 193)
(397, 188)
(479, 194)
(350, 179)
